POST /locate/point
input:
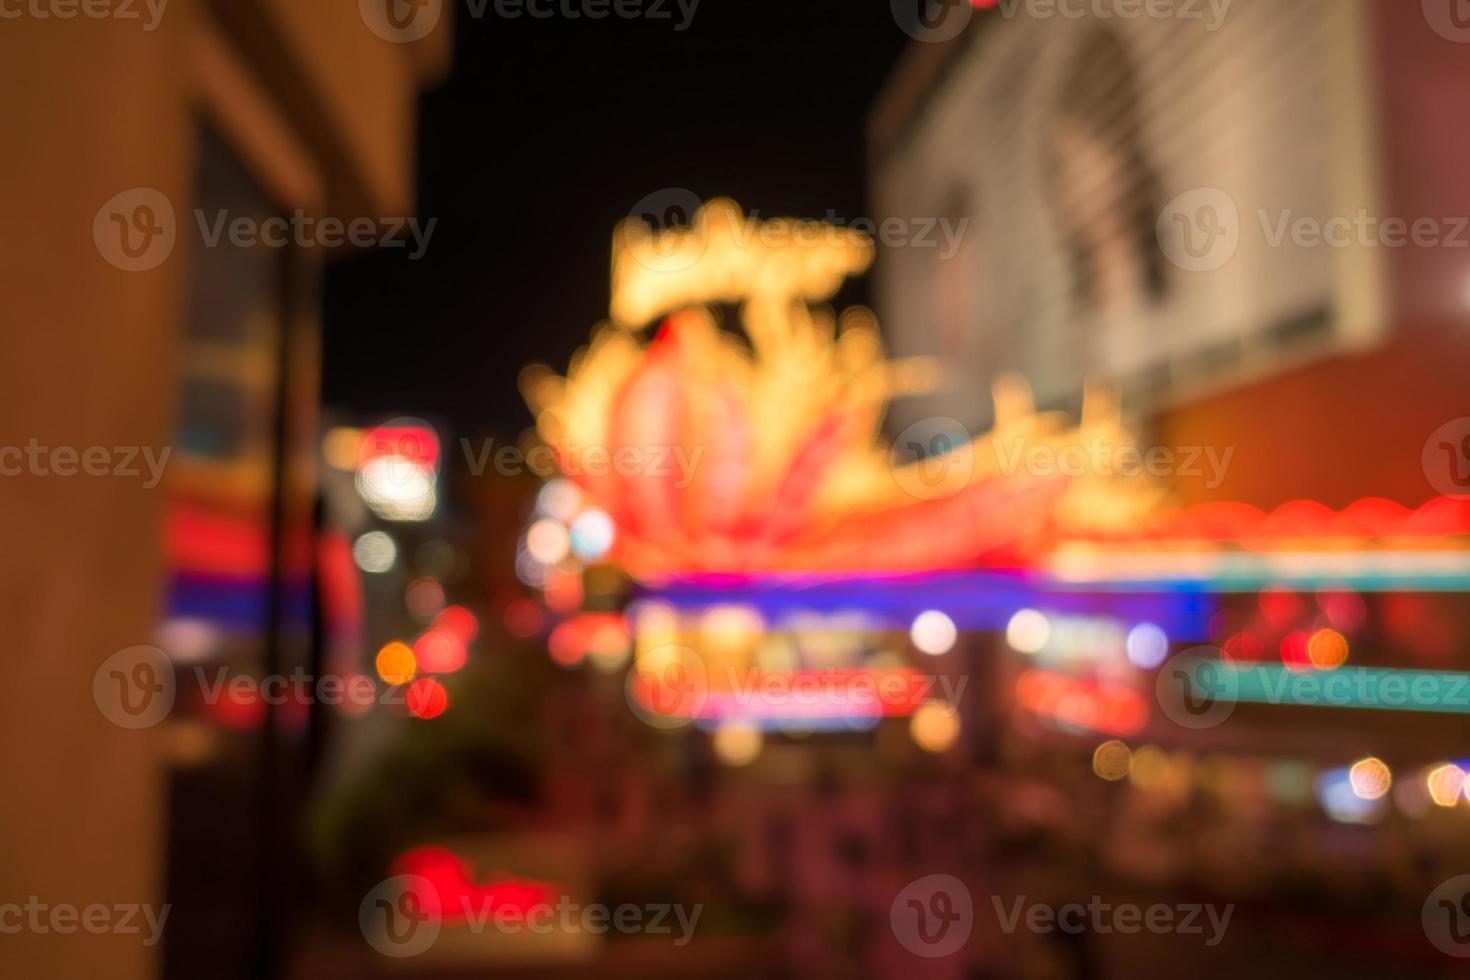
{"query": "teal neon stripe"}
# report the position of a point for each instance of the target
(1373, 688)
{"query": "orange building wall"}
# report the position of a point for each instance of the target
(1355, 426)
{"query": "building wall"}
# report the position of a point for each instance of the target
(94, 107)
(1342, 422)
(1355, 426)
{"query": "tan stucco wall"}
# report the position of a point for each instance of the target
(94, 107)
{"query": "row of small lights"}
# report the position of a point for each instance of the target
(1348, 794)
(1029, 631)
(934, 727)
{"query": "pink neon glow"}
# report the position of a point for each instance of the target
(798, 694)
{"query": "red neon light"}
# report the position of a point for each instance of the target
(199, 540)
(439, 651)
(455, 894)
(459, 621)
(239, 710)
(1294, 650)
(574, 638)
(341, 586)
(427, 698)
(1096, 707)
(1371, 518)
(417, 443)
(209, 541)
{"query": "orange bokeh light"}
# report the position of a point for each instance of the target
(1327, 649)
(395, 663)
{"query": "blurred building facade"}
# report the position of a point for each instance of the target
(129, 329)
(1080, 154)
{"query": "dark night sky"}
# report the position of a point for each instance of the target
(545, 134)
